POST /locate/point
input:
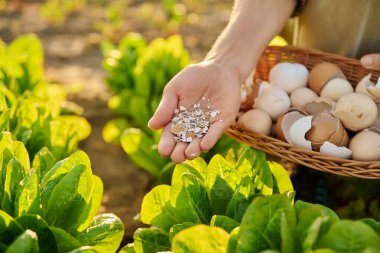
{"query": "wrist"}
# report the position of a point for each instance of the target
(239, 64)
(225, 69)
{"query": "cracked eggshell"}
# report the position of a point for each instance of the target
(325, 127)
(330, 149)
(273, 100)
(320, 105)
(298, 130)
(361, 87)
(257, 121)
(289, 76)
(321, 73)
(373, 89)
(301, 96)
(356, 111)
(365, 146)
(336, 88)
(285, 122)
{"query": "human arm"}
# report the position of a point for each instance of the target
(252, 25)
(371, 61)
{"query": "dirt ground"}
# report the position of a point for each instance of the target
(73, 58)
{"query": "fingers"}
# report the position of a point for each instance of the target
(165, 110)
(167, 142)
(178, 154)
(193, 149)
(371, 61)
(215, 131)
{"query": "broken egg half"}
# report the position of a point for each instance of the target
(323, 133)
(289, 76)
(319, 105)
(366, 87)
(365, 145)
(285, 121)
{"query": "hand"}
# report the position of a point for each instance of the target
(371, 61)
(220, 84)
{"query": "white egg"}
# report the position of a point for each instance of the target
(273, 100)
(336, 88)
(289, 76)
(301, 96)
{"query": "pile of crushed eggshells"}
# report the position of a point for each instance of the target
(320, 110)
(188, 124)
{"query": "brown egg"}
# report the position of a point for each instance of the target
(257, 121)
(321, 73)
(365, 146)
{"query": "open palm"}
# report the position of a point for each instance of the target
(220, 85)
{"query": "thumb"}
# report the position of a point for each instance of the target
(164, 111)
(371, 61)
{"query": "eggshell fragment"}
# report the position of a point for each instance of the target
(284, 123)
(356, 111)
(320, 105)
(373, 89)
(257, 121)
(321, 73)
(336, 88)
(326, 127)
(272, 100)
(288, 76)
(365, 146)
(298, 130)
(301, 96)
(330, 149)
(361, 87)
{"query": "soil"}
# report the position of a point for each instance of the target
(73, 58)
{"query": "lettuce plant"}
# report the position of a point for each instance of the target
(49, 198)
(32, 109)
(217, 193)
(242, 205)
(39, 124)
(52, 206)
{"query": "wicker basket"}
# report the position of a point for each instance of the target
(354, 73)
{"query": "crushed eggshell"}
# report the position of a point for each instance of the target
(190, 124)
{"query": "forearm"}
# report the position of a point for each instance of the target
(252, 25)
